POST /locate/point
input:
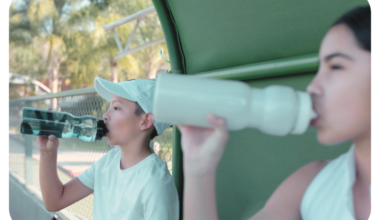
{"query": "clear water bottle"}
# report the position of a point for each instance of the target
(61, 124)
(275, 110)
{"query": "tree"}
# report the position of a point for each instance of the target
(36, 37)
(142, 64)
(57, 38)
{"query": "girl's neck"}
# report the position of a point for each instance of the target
(363, 159)
(133, 153)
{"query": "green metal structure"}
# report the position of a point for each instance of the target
(261, 42)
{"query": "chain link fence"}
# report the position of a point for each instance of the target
(74, 155)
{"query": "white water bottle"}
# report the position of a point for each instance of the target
(275, 110)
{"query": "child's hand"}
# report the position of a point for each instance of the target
(47, 144)
(203, 147)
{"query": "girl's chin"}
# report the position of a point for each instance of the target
(328, 138)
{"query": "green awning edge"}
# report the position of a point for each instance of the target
(288, 66)
(176, 57)
(177, 168)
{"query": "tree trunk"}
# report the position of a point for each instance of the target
(113, 70)
(148, 66)
(53, 70)
(25, 91)
(53, 63)
(153, 66)
(53, 73)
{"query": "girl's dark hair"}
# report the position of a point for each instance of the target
(139, 111)
(359, 21)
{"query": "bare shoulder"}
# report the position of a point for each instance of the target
(286, 200)
(308, 172)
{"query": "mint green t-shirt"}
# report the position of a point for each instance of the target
(144, 191)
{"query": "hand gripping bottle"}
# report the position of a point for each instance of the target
(61, 124)
(275, 110)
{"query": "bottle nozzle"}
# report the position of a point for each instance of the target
(101, 130)
(305, 113)
(313, 114)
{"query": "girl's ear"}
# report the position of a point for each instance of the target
(147, 122)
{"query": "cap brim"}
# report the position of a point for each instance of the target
(106, 89)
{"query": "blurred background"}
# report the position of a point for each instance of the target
(58, 45)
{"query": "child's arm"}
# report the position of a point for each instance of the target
(202, 149)
(56, 196)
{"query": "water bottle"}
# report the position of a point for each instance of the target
(61, 124)
(275, 110)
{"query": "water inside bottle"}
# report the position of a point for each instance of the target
(60, 124)
(46, 128)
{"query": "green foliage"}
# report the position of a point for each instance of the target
(71, 32)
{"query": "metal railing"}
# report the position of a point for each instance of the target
(74, 155)
(139, 16)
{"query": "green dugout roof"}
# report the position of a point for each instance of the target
(206, 35)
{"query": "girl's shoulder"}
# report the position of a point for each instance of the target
(292, 189)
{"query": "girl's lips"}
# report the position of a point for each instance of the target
(313, 122)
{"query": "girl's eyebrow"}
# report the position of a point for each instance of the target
(117, 101)
(329, 57)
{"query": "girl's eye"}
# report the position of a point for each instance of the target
(336, 67)
(116, 108)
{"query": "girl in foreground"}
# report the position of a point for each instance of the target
(338, 189)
